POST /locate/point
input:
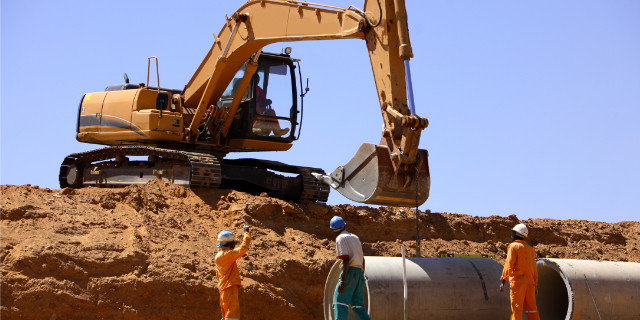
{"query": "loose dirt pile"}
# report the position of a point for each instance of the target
(146, 252)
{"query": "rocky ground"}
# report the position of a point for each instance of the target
(146, 252)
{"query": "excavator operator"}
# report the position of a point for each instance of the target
(264, 127)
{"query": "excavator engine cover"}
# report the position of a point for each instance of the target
(371, 177)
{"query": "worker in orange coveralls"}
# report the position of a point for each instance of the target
(521, 271)
(227, 271)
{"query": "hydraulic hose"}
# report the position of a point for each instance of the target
(379, 19)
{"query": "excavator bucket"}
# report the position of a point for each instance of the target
(371, 177)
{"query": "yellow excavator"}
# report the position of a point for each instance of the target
(241, 99)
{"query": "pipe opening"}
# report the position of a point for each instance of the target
(553, 294)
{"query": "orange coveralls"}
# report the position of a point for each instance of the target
(229, 278)
(521, 271)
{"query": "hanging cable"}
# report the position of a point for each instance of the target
(418, 164)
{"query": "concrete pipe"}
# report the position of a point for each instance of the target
(438, 288)
(584, 289)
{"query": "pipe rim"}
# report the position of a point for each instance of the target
(327, 302)
(545, 262)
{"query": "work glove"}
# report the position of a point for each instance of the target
(246, 228)
(502, 287)
(341, 286)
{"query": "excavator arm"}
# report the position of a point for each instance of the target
(254, 25)
(395, 172)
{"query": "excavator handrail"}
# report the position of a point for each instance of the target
(317, 4)
(350, 7)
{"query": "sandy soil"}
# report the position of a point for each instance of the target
(146, 252)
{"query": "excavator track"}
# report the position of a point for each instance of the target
(303, 187)
(312, 189)
(191, 169)
(204, 170)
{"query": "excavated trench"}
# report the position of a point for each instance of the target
(147, 251)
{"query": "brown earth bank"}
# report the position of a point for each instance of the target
(146, 252)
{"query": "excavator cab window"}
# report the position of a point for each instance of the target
(227, 96)
(274, 91)
(268, 109)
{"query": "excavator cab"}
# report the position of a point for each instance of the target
(268, 110)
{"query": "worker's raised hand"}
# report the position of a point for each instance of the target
(246, 228)
(341, 286)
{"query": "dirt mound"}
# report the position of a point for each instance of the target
(147, 251)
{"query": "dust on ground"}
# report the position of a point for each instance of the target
(147, 251)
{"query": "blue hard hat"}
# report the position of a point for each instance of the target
(226, 236)
(337, 222)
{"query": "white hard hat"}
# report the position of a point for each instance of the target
(522, 230)
(226, 236)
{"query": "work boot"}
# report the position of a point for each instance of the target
(280, 132)
(261, 131)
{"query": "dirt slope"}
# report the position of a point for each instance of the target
(145, 252)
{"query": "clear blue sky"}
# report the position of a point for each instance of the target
(534, 107)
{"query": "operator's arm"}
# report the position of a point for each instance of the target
(535, 276)
(345, 268)
(535, 270)
(343, 279)
(261, 100)
(509, 265)
(240, 251)
(343, 254)
(535, 279)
